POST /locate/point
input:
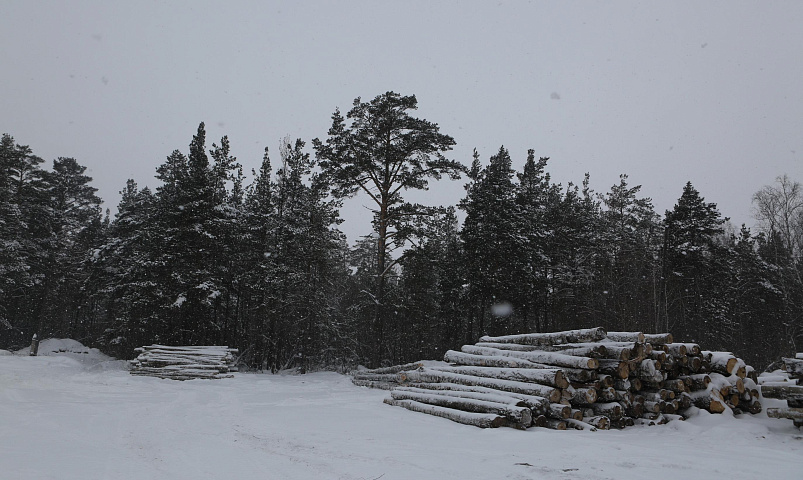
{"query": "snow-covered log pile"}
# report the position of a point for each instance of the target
(184, 362)
(786, 385)
(583, 379)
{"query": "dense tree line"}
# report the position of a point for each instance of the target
(211, 258)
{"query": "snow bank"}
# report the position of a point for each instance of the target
(89, 358)
(5, 352)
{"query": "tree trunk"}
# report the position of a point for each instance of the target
(429, 375)
(548, 358)
(553, 378)
(790, 413)
(512, 411)
(536, 403)
(482, 420)
(555, 338)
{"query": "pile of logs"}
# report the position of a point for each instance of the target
(583, 379)
(184, 363)
(788, 386)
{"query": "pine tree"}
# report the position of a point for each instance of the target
(491, 242)
(691, 231)
(136, 306)
(381, 152)
(537, 199)
(630, 270)
(77, 231)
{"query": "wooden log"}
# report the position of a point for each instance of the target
(722, 362)
(636, 384)
(685, 401)
(553, 378)
(509, 346)
(793, 366)
(692, 349)
(482, 420)
(596, 385)
(549, 358)
(379, 377)
(583, 396)
(670, 407)
(658, 355)
(393, 369)
(600, 421)
(460, 358)
(554, 338)
(580, 425)
(514, 411)
(653, 407)
(698, 381)
(636, 337)
(607, 394)
(676, 385)
(433, 376)
(708, 400)
(614, 368)
(594, 350)
(536, 403)
(695, 364)
(781, 392)
(499, 397)
(373, 384)
(737, 384)
(616, 352)
(468, 359)
(634, 410)
(606, 380)
(611, 410)
(540, 421)
(576, 414)
(649, 370)
(625, 397)
(555, 424)
(677, 349)
(660, 395)
(622, 384)
(623, 422)
(658, 338)
(669, 364)
(790, 413)
(559, 411)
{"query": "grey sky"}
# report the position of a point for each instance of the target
(663, 91)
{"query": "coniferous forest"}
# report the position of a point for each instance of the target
(215, 256)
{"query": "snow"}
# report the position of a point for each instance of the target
(62, 417)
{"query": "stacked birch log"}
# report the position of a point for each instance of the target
(583, 379)
(787, 386)
(184, 362)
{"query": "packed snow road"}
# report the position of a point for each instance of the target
(63, 418)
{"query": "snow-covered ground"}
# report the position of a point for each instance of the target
(82, 416)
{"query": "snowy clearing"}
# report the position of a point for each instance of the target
(82, 416)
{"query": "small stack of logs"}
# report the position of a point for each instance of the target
(583, 379)
(786, 385)
(184, 363)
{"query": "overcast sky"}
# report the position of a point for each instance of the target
(666, 92)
